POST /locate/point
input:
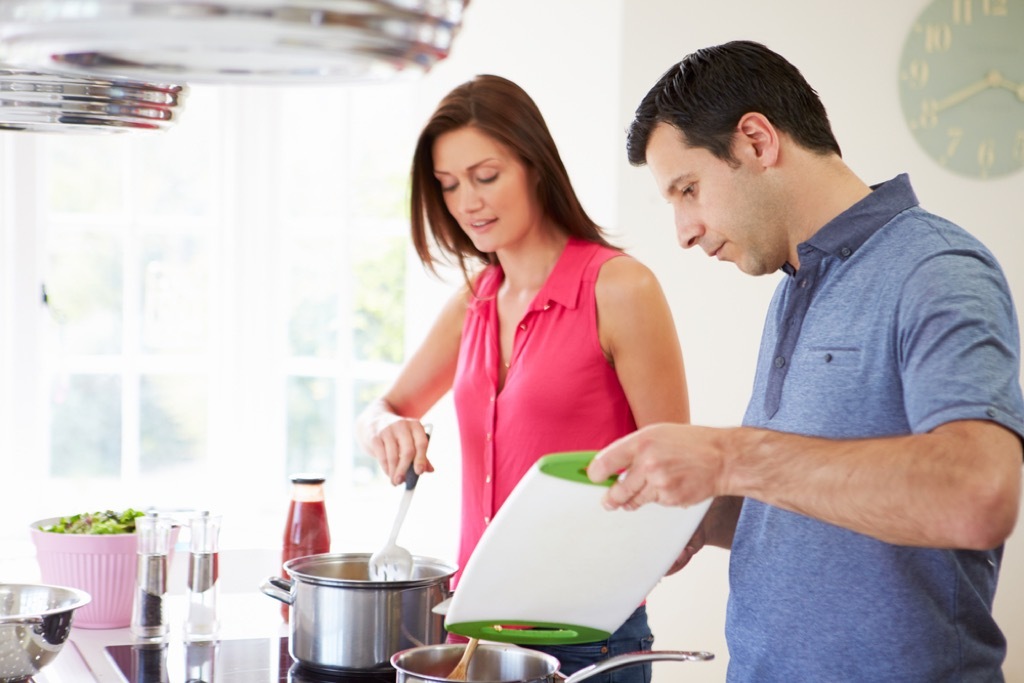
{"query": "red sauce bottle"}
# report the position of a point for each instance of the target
(306, 531)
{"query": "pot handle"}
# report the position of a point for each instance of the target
(631, 658)
(278, 588)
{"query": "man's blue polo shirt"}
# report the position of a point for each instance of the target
(896, 322)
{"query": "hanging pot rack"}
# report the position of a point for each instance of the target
(229, 41)
(58, 103)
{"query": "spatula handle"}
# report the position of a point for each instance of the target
(411, 478)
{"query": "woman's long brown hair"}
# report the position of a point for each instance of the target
(502, 110)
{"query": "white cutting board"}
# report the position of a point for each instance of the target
(555, 561)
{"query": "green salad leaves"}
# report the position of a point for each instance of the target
(107, 522)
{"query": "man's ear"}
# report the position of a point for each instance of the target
(756, 135)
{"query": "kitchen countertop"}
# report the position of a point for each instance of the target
(244, 612)
(84, 659)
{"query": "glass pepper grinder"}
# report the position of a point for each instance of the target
(306, 531)
(149, 623)
(201, 623)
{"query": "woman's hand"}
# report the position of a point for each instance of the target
(396, 442)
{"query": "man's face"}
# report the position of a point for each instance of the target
(729, 210)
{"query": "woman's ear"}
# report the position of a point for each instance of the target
(756, 134)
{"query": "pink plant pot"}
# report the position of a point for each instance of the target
(102, 565)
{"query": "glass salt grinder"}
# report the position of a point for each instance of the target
(203, 572)
(153, 544)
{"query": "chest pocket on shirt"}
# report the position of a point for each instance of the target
(824, 358)
(824, 386)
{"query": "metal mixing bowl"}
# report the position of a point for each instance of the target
(35, 620)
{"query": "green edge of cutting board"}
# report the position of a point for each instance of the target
(533, 633)
(572, 465)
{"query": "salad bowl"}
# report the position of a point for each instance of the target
(101, 564)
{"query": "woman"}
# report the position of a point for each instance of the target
(558, 341)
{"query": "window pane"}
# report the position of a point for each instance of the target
(175, 171)
(84, 174)
(378, 319)
(84, 290)
(381, 163)
(314, 136)
(311, 425)
(314, 279)
(85, 431)
(174, 293)
(172, 421)
(364, 466)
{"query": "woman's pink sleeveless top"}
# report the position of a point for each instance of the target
(560, 393)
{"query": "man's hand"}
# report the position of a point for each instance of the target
(670, 464)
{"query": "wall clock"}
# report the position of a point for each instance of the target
(961, 82)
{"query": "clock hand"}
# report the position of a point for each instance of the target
(1016, 88)
(991, 80)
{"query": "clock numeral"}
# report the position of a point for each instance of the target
(986, 155)
(963, 11)
(994, 8)
(916, 74)
(937, 38)
(955, 135)
(929, 117)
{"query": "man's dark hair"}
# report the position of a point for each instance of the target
(705, 95)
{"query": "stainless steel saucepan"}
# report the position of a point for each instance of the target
(498, 663)
(340, 619)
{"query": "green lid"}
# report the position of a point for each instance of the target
(572, 465)
(527, 632)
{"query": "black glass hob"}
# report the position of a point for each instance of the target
(255, 660)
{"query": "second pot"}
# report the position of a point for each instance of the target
(498, 663)
(342, 620)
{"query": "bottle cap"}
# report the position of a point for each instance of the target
(308, 478)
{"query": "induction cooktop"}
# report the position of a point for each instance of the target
(255, 660)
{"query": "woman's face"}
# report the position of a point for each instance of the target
(487, 189)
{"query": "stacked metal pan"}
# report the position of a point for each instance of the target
(43, 102)
(106, 64)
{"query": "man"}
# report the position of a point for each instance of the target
(877, 474)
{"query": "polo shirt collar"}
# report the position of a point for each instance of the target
(846, 233)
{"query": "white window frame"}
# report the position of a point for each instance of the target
(257, 336)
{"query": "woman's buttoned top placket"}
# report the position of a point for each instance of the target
(519, 340)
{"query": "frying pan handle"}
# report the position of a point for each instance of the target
(631, 658)
(278, 588)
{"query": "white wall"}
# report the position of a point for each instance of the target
(588, 63)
